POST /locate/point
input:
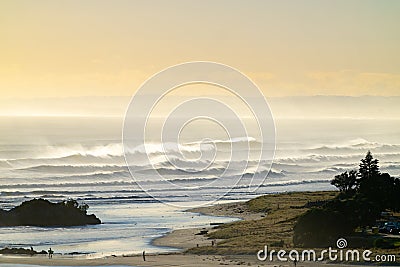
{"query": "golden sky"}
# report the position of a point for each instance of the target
(102, 48)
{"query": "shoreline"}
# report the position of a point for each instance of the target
(183, 239)
(159, 260)
(162, 260)
(190, 237)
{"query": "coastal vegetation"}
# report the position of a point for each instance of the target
(312, 219)
(41, 212)
(267, 220)
(364, 195)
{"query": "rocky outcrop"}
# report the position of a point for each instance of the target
(41, 212)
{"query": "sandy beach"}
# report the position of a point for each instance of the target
(181, 260)
(151, 260)
(189, 238)
(183, 239)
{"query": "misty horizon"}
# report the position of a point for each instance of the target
(346, 107)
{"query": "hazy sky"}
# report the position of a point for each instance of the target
(81, 48)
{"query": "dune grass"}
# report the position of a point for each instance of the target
(275, 228)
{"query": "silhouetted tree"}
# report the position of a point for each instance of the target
(381, 189)
(368, 166)
(84, 207)
(396, 194)
(346, 182)
(71, 203)
(359, 205)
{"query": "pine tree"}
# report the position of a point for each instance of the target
(368, 166)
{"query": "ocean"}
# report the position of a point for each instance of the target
(82, 158)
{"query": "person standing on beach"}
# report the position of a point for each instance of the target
(50, 253)
(144, 255)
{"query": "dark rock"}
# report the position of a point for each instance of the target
(20, 251)
(41, 212)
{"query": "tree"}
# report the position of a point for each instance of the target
(84, 207)
(369, 166)
(71, 203)
(360, 204)
(320, 227)
(346, 182)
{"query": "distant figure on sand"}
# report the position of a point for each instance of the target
(144, 255)
(50, 253)
(295, 262)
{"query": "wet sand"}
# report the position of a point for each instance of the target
(159, 261)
